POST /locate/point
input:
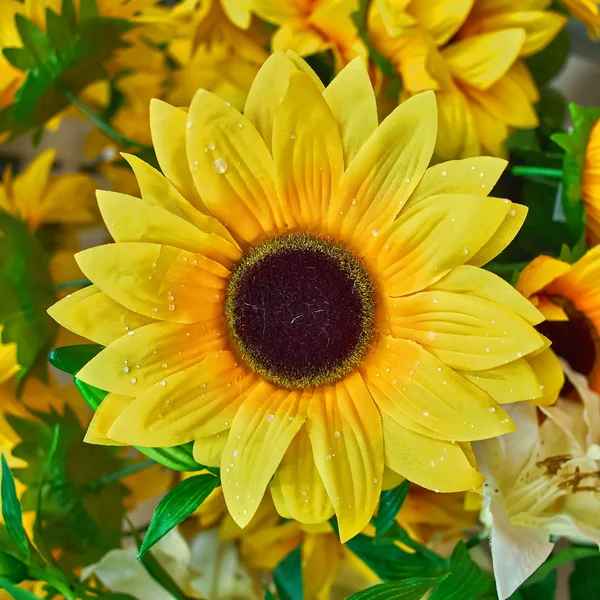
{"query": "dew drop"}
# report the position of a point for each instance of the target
(435, 300)
(133, 380)
(444, 173)
(304, 493)
(374, 232)
(270, 417)
(212, 146)
(465, 250)
(512, 212)
(354, 202)
(337, 434)
(189, 124)
(293, 136)
(162, 383)
(504, 421)
(444, 382)
(439, 369)
(432, 463)
(407, 180)
(221, 166)
(235, 453)
(425, 414)
(125, 369)
(492, 409)
(375, 480)
(171, 307)
(130, 333)
(481, 175)
(431, 335)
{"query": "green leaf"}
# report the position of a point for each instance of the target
(542, 590)
(33, 38)
(19, 58)
(57, 28)
(288, 576)
(409, 589)
(11, 511)
(88, 10)
(466, 581)
(27, 290)
(67, 11)
(16, 592)
(583, 582)
(177, 506)
(390, 503)
(269, 595)
(562, 558)
(71, 359)
(11, 568)
(545, 65)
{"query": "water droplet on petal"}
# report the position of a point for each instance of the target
(133, 380)
(221, 166)
(125, 369)
(492, 409)
(270, 417)
(337, 434)
(162, 383)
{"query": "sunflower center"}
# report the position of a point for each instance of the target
(301, 310)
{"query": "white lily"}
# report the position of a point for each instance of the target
(208, 568)
(541, 481)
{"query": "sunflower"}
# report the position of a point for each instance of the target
(569, 298)
(590, 184)
(588, 12)
(470, 54)
(300, 296)
(311, 27)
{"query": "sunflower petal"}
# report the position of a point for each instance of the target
(386, 170)
(262, 431)
(91, 314)
(466, 332)
(344, 427)
(403, 378)
(29, 186)
(308, 155)
(549, 372)
(232, 168)
(441, 19)
(351, 99)
(194, 402)
(297, 488)
(157, 281)
(481, 60)
(539, 273)
(432, 464)
(106, 414)
(167, 125)
(153, 348)
(208, 450)
(432, 237)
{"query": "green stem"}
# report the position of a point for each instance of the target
(522, 171)
(125, 472)
(72, 284)
(105, 127)
(55, 578)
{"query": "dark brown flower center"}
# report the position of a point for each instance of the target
(301, 310)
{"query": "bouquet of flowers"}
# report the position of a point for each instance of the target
(299, 299)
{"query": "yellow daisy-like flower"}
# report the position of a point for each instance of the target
(310, 27)
(569, 298)
(300, 296)
(40, 198)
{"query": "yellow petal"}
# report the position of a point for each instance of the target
(308, 155)
(238, 12)
(441, 19)
(275, 11)
(385, 171)
(160, 350)
(157, 190)
(472, 176)
(208, 450)
(466, 332)
(232, 168)
(297, 488)
(492, 132)
(167, 125)
(321, 557)
(351, 99)
(300, 38)
(520, 74)
(432, 237)
(507, 102)
(403, 378)
(29, 186)
(157, 281)
(483, 284)
(481, 60)
(539, 273)
(512, 382)
(130, 219)
(266, 94)
(345, 433)
(540, 26)
(195, 402)
(106, 414)
(551, 311)
(93, 315)
(261, 432)
(303, 66)
(432, 464)
(549, 372)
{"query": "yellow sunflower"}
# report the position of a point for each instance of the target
(300, 296)
(569, 298)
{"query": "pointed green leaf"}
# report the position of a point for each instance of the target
(413, 588)
(466, 581)
(583, 582)
(33, 38)
(287, 576)
(16, 592)
(87, 10)
(390, 503)
(19, 57)
(177, 506)
(71, 359)
(11, 511)
(57, 29)
(68, 12)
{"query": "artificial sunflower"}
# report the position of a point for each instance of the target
(300, 296)
(569, 298)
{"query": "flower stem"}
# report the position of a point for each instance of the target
(125, 472)
(71, 284)
(105, 127)
(523, 171)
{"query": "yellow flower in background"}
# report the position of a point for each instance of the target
(588, 12)
(10, 77)
(569, 297)
(469, 53)
(590, 184)
(310, 27)
(327, 316)
(542, 481)
(40, 198)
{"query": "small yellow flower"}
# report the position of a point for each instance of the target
(301, 297)
(569, 298)
(40, 198)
